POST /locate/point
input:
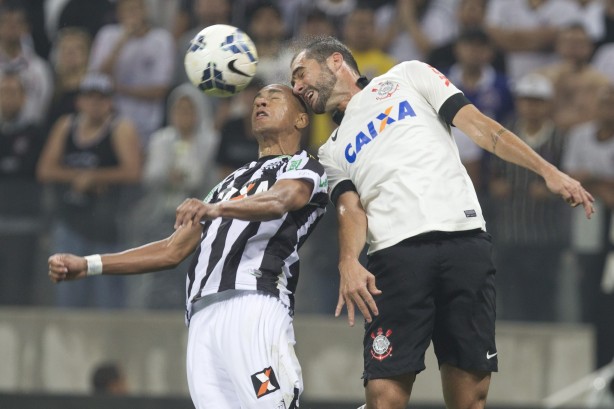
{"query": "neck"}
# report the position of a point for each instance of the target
(274, 145)
(347, 91)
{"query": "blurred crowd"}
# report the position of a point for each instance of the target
(102, 137)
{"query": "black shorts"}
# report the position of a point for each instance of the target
(438, 286)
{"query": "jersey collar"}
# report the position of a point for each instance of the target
(361, 82)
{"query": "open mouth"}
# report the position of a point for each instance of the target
(261, 114)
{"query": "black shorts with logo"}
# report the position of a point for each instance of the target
(438, 286)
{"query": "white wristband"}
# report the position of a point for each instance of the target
(94, 265)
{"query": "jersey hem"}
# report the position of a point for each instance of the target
(447, 228)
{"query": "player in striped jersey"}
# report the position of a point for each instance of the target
(240, 285)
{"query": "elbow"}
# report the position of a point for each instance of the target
(277, 210)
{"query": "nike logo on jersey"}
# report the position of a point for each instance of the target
(389, 116)
(489, 355)
(231, 67)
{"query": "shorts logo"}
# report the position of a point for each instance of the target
(264, 382)
(382, 348)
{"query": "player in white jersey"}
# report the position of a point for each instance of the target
(398, 183)
(244, 236)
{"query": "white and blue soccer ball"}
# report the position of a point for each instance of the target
(221, 60)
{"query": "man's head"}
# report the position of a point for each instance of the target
(278, 112)
(95, 99)
(108, 379)
(534, 95)
(316, 69)
(13, 24)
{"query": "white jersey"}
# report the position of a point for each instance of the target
(242, 255)
(400, 155)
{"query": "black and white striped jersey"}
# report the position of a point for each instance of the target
(243, 255)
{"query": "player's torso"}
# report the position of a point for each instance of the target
(248, 255)
(401, 157)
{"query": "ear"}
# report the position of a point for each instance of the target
(335, 61)
(302, 120)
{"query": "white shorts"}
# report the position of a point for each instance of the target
(240, 354)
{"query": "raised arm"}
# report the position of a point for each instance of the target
(284, 196)
(495, 138)
(357, 285)
(156, 256)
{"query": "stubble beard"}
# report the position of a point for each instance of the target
(325, 84)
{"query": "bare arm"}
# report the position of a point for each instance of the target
(49, 168)
(493, 137)
(284, 196)
(156, 256)
(357, 285)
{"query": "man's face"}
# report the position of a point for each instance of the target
(313, 82)
(275, 108)
(12, 97)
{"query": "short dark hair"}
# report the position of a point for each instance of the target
(323, 47)
(104, 376)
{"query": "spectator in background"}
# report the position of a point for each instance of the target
(237, 144)
(90, 15)
(205, 13)
(530, 225)
(360, 36)
(180, 163)
(140, 61)
(265, 26)
(70, 57)
(470, 15)
(413, 28)
(486, 88)
(109, 379)
(575, 81)
(526, 31)
(604, 56)
(295, 12)
(316, 23)
(17, 54)
(87, 158)
(591, 17)
(590, 157)
(607, 17)
(21, 141)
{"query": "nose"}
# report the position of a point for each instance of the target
(261, 102)
(298, 87)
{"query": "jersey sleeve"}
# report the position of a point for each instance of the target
(338, 180)
(445, 98)
(304, 166)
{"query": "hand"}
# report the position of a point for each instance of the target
(64, 267)
(83, 182)
(357, 287)
(192, 211)
(570, 190)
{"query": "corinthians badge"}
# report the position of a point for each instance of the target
(385, 89)
(382, 347)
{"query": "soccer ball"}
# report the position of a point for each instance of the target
(221, 60)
